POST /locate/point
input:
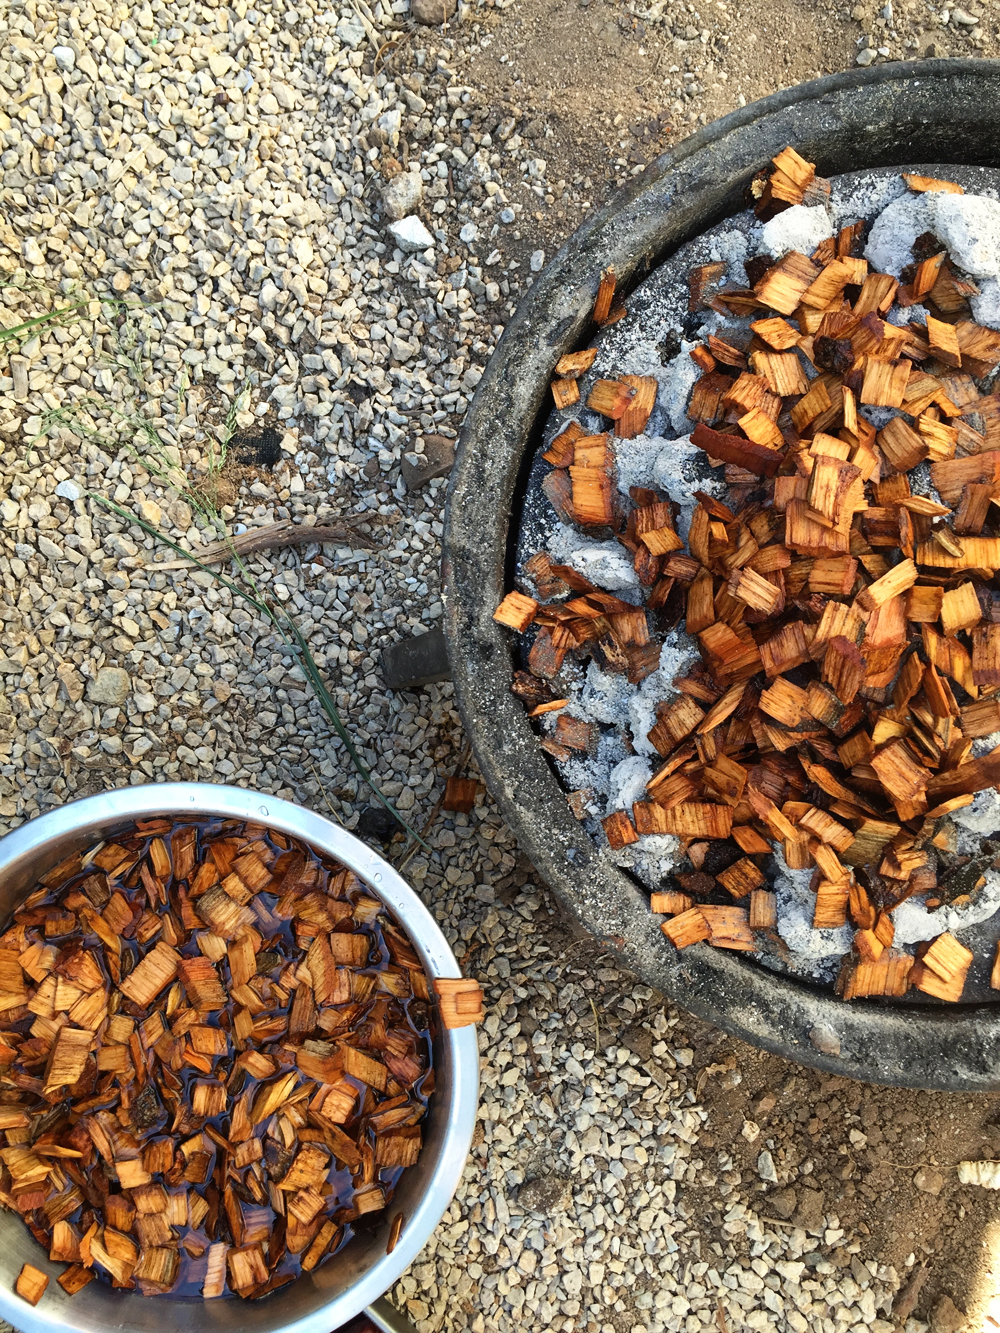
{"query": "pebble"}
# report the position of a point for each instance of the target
(110, 686)
(410, 234)
(825, 1039)
(867, 57)
(765, 1168)
(929, 1180)
(403, 194)
(433, 12)
(537, 261)
(68, 490)
(65, 57)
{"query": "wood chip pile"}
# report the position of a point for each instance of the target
(214, 1059)
(849, 629)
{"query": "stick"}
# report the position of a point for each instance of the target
(284, 533)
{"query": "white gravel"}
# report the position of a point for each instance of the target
(222, 165)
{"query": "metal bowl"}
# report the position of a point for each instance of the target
(338, 1290)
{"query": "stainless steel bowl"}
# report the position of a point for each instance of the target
(334, 1293)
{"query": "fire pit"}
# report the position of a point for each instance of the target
(935, 111)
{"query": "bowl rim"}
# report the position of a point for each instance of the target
(204, 799)
(846, 121)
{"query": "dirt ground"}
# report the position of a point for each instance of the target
(882, 1159)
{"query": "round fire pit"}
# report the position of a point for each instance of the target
(943, 111)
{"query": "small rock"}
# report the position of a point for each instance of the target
(929, 1180)
(433, 12)
(946, 1317)
(809, 1212)
(824, 1039)
(69, 490)
(65, 57)
(966, 19)
(122, 281)
(403, 194)
(179, 513)
(468, 233)
(19, 374)
(71, 681)
(411, 234)
(867, 57)
(351, 31)
(546, 1195)
(439, 456)
(782, 1203)
(111, 686)
(507, 215)
(150, 512)
(32, 251)
(765, 1168)
(268, 105)
(751, 1131)
(537, 261)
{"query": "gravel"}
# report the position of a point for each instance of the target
(237, 170)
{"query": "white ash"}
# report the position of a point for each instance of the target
(733, 247)
(969, 226)
(673, 466)
(913, 922)
(607, 564)
(864, 195)
(983, 815)
(986, 306)
(676, 379)
(627, 782)
(796, 228)
(890, 241)
(815, 952)
(606, 696)
(652, 859)
(903, 315)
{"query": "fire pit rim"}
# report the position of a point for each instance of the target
(886, 115)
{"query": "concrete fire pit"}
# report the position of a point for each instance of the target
(942, 111)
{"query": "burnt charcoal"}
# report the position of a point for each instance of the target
(926, 246)
(531, 689)
(376, 822)
(257, 448)
(268, 960)
(833, 354)
(669, 347)
(756, 268)
(277, 1159)
(964, 881)
(720, 856)
(146, 1108)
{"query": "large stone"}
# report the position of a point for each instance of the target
(929, 1180)
(809, 1213)
(433, 12)
(782, 1203)
(546, 1195)
(402, 194)
(438, 459)
(946, 1317)
(411, 234)
(111, 687)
